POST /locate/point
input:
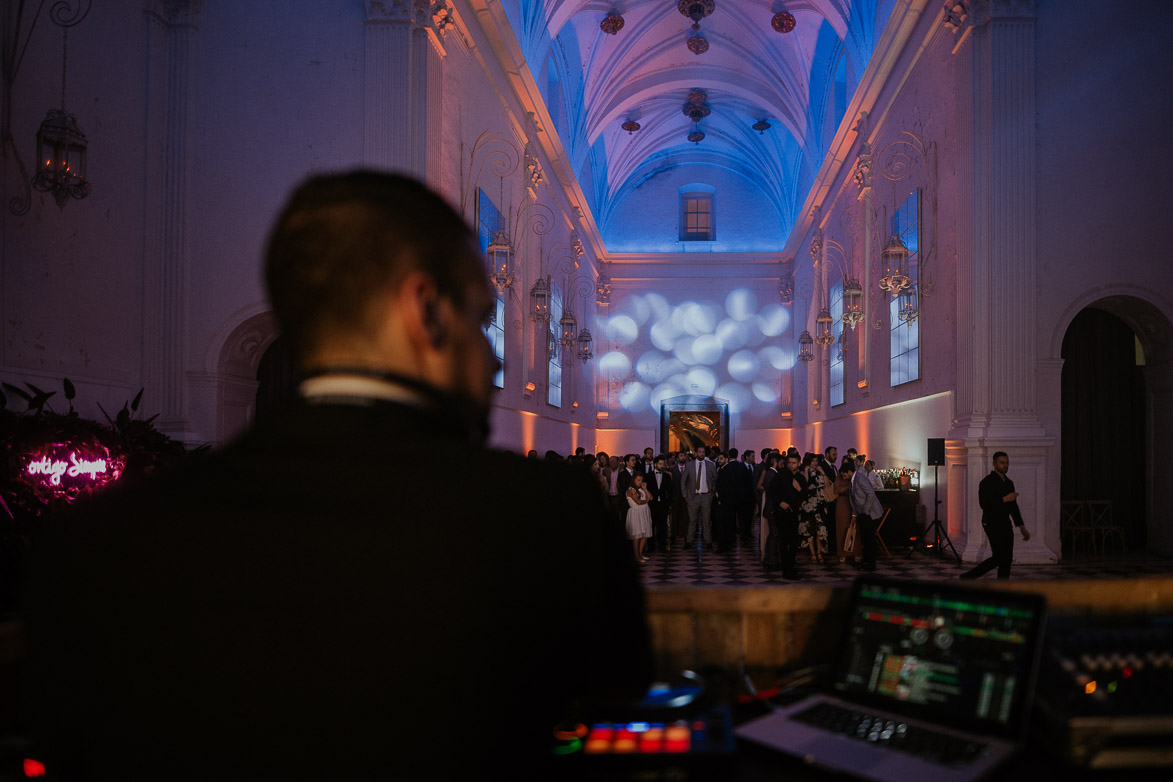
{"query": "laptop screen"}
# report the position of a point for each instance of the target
(958, 656)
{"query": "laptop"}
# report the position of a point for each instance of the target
(931, 681)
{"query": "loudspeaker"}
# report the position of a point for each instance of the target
(936, 451)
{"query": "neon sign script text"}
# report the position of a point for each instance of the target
(55, 468)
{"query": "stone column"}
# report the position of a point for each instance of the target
(997, 401)
(403, 88)
(171, 31)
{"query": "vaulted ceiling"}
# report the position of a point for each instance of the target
(799, 81)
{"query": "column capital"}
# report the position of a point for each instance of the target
(982, 12)
(176, 12)
(416, 12)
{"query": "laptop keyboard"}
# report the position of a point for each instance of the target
(925, 743)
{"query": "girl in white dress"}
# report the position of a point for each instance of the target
(639, 517)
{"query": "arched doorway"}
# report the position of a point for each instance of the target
(1104, 421)
(1118, 349)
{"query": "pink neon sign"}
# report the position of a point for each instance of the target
(65, 468)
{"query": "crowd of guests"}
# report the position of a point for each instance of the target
(810, 504)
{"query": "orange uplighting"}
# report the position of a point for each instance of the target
(1089, 688)
(527, 429)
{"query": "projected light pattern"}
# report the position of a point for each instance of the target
(657, 349)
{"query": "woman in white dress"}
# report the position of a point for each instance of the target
(639, 517)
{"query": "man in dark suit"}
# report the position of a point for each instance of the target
(784, 494)
(315, 601)
(660, 487)
(1000, 513)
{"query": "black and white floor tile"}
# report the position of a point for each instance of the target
(703, 567)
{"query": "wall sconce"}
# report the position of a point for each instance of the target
(529, 389)
(602, 415)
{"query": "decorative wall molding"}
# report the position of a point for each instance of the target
(417, 12)
(176, 12)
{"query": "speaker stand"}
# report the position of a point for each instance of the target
(936, 530)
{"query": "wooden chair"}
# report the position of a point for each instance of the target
(1074, 525)
(879, 526)
(1102, 524)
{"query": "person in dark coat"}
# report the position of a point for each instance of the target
(315, 601)
(1000, 514)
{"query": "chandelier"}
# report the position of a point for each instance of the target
(761, 126)
(895, 259)
(631, 126)
(696, 10)
(852, 303)
(697, 136)
(500, 260)
(697, 44)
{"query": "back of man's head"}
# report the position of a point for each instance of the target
(344, 240)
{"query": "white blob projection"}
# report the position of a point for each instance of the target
(700, 381)
(706, 349)
(733, 335)
(773, 320)
(634, 396)
(765, 392)
(728, 346)
(614, 364)
(622, 330)
(654, 367)
(736, 395)
(741, 304)
(744, 366)
(683, 350)
(664, 333)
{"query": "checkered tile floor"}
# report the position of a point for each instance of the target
(741, 567)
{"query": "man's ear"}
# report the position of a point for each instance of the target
(424, 311)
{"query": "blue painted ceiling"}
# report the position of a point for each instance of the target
(800, 82)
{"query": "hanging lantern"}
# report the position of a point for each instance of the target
(61, 158)
(611, 24)
(499, 256)
(782, 22)
(697, 136)
(584, 346)
(631, 126)
(907, 311)
(806, 346)
(823, 323)
(842, 345)
(761, 126)
(569, 326)
(539, 301)
(852, 303)
(895, 260)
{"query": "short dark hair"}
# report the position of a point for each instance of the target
(998, 454)
(828, 449)
(732, 453)
(345, 238)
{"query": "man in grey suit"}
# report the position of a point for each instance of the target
(698, 485)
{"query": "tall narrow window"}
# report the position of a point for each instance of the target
(837, 393)
(697, 219)
(903, 311)
(489, 221)
(554, 350)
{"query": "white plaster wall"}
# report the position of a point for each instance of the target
(647, 219)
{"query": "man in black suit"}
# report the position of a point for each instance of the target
(784, 494)
(660, 487)
(314, 601)
(1000, 513)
